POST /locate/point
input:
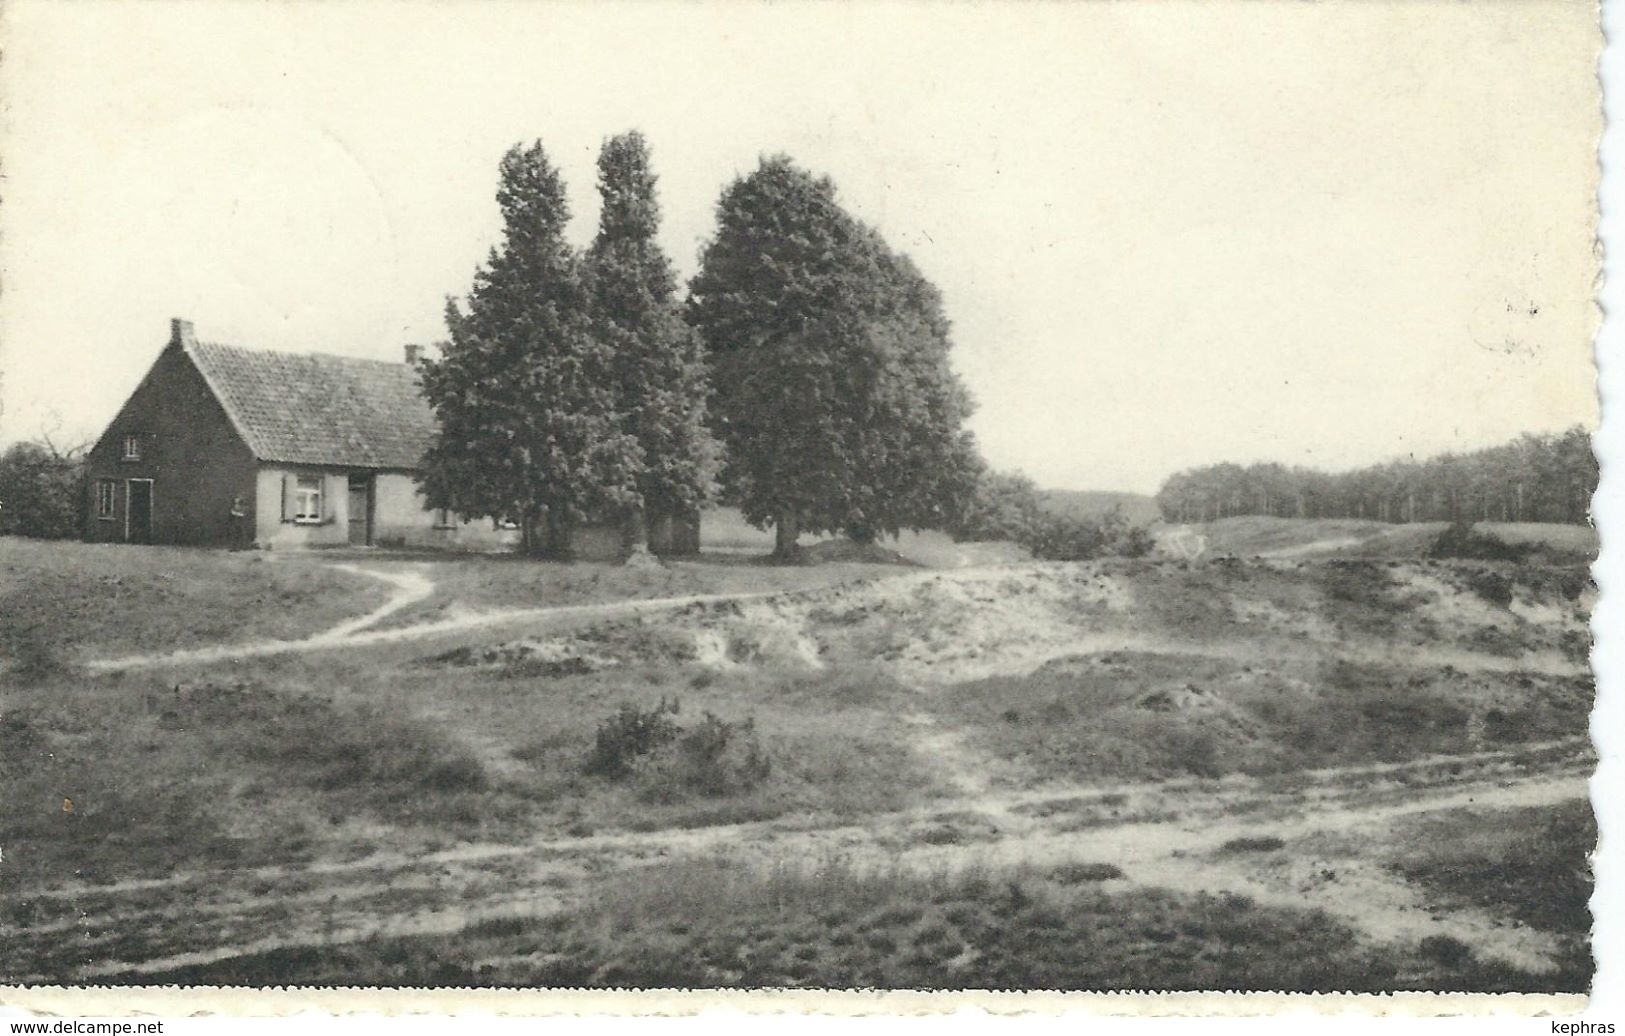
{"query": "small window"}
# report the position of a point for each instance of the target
(307, 499)
(444, 518)
(105, 499)
(132, 447)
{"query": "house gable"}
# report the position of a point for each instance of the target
(175, 438)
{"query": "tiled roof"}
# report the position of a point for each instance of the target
(317, 409)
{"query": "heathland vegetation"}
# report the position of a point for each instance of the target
(1129, 772)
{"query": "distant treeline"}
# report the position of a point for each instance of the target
(1535, 478)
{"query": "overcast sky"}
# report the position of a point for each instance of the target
(1167, 234)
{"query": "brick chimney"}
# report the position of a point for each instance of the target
(180, 333)
(414, 353)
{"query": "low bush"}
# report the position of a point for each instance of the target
(1055, 537)
(719, 758)
(1492, 587)
(1263, 844)
(1461, 540)
(712, 758)
(630, 735)
(1010, 507)
(1446, 949)
(1080, 873)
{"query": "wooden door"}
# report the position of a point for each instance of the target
(138, 512)
(360, 511)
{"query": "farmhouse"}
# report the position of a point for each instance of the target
(226, 446)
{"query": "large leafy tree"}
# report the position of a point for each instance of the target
(525, 393)
(659, 369)
(41, 490)
(832, 390)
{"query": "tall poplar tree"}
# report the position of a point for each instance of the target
(832, 391)
(525, 390)
(658, 364)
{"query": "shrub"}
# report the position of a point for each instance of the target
(1134, 541)
(40, 491)
(1460, 540)
(1264, 844)
(1492, 587)
(1010, 507)
(629, 735)
(1078, 873)
(718, 757)
(1446, 949)
(715, 757)
(1058, 538)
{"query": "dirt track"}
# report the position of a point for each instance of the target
(1164, 834)
(411, 586)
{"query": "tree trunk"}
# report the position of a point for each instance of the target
(556, 537)
(785, 533)
(635, 531)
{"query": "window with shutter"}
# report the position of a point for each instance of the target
(307, 499)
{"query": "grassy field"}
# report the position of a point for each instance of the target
(1255, 535)
(61, 601)
(709, 923)
(301, 757)
(713, 923)
(1145, 716)
(1103, 775)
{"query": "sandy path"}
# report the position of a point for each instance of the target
(1160, 834)
(410, 588)
(410, 585)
